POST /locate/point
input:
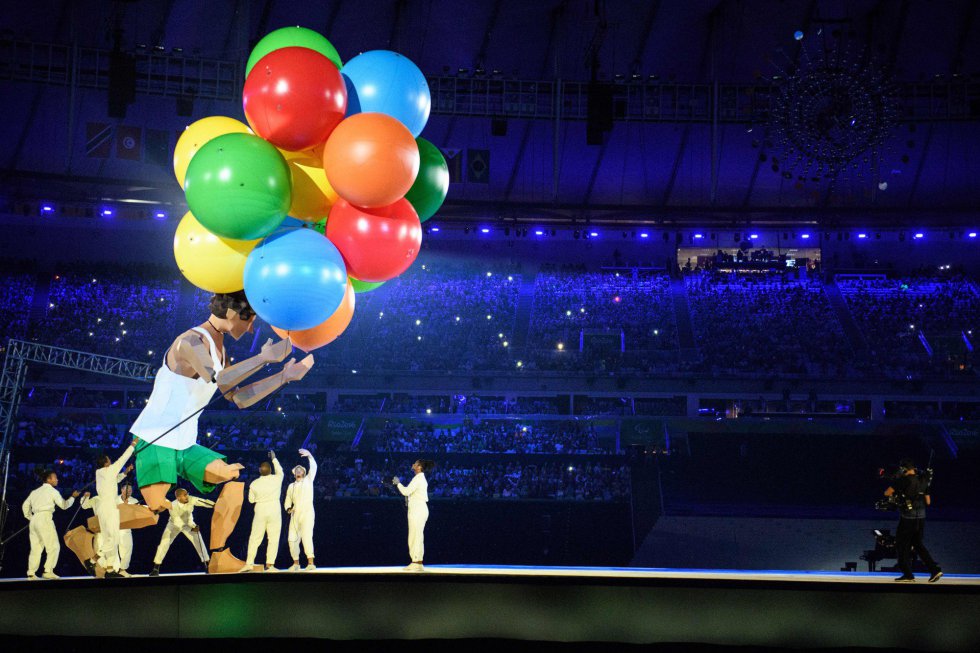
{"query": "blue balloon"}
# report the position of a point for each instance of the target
(295, 279)
(381, 81)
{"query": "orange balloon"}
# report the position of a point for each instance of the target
(371, 160)
(312, 194)
(327, 331)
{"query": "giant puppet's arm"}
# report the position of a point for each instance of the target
(255, 392)
(231, 376)
(193, 355)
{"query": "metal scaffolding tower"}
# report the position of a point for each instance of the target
(20, 352)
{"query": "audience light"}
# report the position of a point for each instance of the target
(489, 317)
(644, 234)
(506, 343)
(106, 213)
(47, 209)
(972, 234)
(520, 363)
(919, 235)
(753, 236)
(160, 215)
(538, 232)
(862, 235)
(428, 411)
(485, 230)
(434, 230)
(594, 234)
(489, 274)
(561, 346)
(805, 236)
(698, 236)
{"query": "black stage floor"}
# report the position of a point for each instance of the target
(517, 605)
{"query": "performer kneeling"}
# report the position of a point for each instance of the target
(182, 522)
(299, 506)
(416, 495)
(39, 509)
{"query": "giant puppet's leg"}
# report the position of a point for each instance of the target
(80, 541)
(218, 471)
(227, 510)
(155, 496)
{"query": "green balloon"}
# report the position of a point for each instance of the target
(290, 37)
(431, 186)
(364, 286)
(238, 186)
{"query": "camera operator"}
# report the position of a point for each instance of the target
(912, 492)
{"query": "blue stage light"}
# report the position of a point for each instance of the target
(805, 236)
(484, 230)
(594, 233)
(538, 232)
(644, 235)
(972, 234)
(920, 235)
(698, 236)
(862, 235)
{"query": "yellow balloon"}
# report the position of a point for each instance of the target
(199, 133)
(312, 194)
(210, 262)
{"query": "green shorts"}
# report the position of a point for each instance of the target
(156, 464)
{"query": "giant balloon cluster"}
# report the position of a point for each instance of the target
(321, 196)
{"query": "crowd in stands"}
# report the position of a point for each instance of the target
(111, 310)
(456, 317)
(493, 436)
(16, 297)
(347, 477)
(751, 325)
(916, 326)
(442, 315)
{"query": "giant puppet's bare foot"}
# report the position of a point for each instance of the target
(155, 495)
(218, 471)
(227, 510)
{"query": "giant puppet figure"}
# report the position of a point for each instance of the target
(166, 431)
(194, 368)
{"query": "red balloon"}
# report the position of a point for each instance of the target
(377, 244)
(294, 97)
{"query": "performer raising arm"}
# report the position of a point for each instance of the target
(299, 506)
(107, 478)
(264, 492)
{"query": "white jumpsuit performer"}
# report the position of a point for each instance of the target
(107, 486)
(39, 509)
(125, 538)
(416, 495)
(125, 542)
(264, 493)
(181, 521)
(299, 505)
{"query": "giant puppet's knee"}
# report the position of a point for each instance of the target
(227, 510)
